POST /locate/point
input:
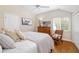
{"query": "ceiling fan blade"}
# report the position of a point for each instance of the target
(39, 6)
(44, 6)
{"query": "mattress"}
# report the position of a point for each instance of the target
(43, 41)
(24, 46)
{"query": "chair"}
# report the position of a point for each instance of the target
(57, 36)
(59, 32)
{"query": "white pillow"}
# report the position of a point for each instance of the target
(0, 49)
(6, 41)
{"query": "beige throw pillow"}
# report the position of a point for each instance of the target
(19, 34)
(13, 35)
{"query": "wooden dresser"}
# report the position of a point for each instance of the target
(44, 29)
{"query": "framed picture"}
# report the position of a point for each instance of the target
(45, 23)
(26, 21)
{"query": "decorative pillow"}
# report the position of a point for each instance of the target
(6, 41)
(13, 35)
(0, 49)
(57, 36)
(19, 34)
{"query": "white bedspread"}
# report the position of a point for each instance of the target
(43, 41)
(24, 46)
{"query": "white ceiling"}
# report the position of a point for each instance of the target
(33, 9)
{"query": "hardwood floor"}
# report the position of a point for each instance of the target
(65, 47)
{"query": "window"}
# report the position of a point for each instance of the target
(61, 23)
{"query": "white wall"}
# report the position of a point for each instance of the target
(75, 29)
(57, 13)
(14, 12)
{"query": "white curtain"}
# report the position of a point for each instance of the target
(11, 22)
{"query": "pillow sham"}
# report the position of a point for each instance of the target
(6, 42)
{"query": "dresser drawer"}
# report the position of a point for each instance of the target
(44, 30)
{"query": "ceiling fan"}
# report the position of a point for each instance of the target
(40, 6)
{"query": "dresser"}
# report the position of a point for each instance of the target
(44, 29)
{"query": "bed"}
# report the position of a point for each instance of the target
(33, 42)
(44, 41)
